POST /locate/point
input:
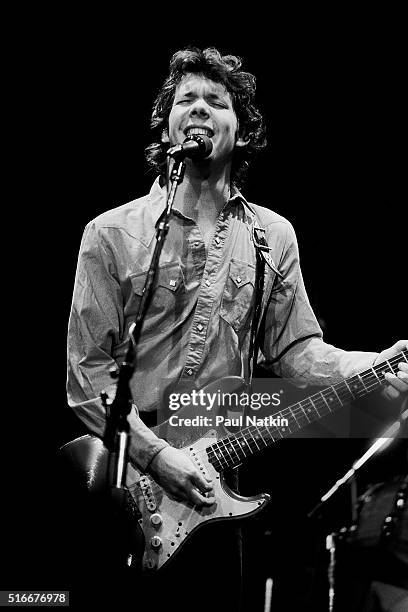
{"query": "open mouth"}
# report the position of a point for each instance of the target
(201, 131)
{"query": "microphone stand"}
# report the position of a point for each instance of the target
(350, 476)
(116, 434)
(377, 445)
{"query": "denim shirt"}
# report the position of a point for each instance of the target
(197, 327)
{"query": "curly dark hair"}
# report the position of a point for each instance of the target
(239, 84)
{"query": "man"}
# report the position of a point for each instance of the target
(198, 326)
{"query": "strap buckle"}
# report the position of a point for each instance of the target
(264, 250)
(259, 241)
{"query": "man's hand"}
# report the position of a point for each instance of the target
(178, 475)
(398, 383)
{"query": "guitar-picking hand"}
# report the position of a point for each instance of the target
(177, 474)
(398, 383)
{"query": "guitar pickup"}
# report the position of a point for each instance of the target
(147, 492)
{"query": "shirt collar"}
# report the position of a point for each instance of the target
(157, 200)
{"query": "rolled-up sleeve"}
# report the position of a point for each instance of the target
(293, 345)
(96, 326)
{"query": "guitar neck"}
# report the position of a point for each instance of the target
(234, 449)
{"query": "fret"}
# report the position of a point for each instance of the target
(362, 381)
(356, 386)
(329, 397)
(240, 445)
(370, 382)
(269, 432)
(306, 414)
(223, 449)
(343, 386)
(231, 446)
(385, 366)
(293, 415)
(321, 404)
(349, 387)
(226, 448)
(288, 414)
(376, 375)
(301, 419)
(317, 411)
(232, 440)
(302, 413)
(262, 438)
(250, 432)
(393, 369)
(283, 430)
(219, 454)
(257, 436)
(225, 460)
(338, 397)
(278, 431)
(244, 441)
(327, 400)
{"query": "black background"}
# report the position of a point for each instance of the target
(332, 99)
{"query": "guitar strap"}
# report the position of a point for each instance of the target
(263, 256)
(261, 290)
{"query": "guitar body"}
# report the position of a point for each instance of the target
(165, 522)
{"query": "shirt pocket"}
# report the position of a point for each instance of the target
(238, 292)
(167, 289)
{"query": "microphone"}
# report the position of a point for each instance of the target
(195, 147)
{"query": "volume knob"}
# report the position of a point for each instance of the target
(156, 519)
(155, 542)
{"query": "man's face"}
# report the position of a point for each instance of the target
(202, 106)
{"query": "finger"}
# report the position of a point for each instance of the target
(391, 393)
(400, 345)
(200, 500)
(403, 376)
(396, 382)
(403, 367)
(201, 483)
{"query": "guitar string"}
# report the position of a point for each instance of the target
(242, 437)
(256, 432)
(372, 381)
(363, 390)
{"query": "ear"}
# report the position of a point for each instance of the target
(242, 141)
(165, 136)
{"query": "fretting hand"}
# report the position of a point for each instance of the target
(398, 383)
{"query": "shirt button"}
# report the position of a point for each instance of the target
(189, 372)
(200, 327)
(238, 279)
(208, 283)
(217, 240)
(172, 283)
(196, 244)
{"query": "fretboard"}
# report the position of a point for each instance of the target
(234, 449)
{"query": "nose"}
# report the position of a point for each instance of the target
(200, 109)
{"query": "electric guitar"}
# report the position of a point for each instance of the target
(167, 523)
